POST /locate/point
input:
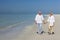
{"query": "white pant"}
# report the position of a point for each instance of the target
(39, 25)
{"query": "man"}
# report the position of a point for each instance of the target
(51, 21)
(39, 20)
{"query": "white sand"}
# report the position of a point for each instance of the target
(29, 33)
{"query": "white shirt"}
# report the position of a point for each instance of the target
(39, 18)
(51, 20)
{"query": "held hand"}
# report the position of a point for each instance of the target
(45, 22)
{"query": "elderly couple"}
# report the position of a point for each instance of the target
(39, 19)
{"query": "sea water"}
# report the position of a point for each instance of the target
(15, 21)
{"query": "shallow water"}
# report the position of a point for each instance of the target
(12, 24)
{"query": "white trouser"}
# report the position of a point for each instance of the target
(39, 25)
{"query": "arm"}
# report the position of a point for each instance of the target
(47, 21)
(43, 19)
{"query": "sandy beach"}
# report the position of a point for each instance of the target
(29, 33)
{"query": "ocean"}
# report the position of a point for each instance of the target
(15, 21)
